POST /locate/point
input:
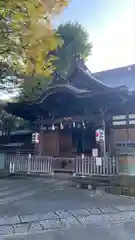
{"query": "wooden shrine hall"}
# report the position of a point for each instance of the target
(71, 109)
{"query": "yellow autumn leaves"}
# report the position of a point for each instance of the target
(26, 35)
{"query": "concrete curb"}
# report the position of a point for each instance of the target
(121, 196)
(4, 174)
(31, 175)
(28, 176)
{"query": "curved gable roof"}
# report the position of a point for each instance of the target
(81, 77)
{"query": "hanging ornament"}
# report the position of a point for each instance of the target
(74, 124)
(61, 126)
(53, 127)
(83, 124)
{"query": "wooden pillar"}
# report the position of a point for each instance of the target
(103, 127)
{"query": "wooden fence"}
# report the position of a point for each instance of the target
(78, 166)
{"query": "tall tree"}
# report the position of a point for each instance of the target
(9, 122)
(76, 41)
(26, 37)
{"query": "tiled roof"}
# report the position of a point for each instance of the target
(124, 76)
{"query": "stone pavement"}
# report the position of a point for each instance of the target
(52, 209)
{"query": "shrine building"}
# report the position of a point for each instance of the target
(71, 109)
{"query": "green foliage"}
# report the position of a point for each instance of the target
(9, 123)
(76, 40)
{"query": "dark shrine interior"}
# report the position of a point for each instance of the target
(83, 140)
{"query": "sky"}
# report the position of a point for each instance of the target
(111, 28)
